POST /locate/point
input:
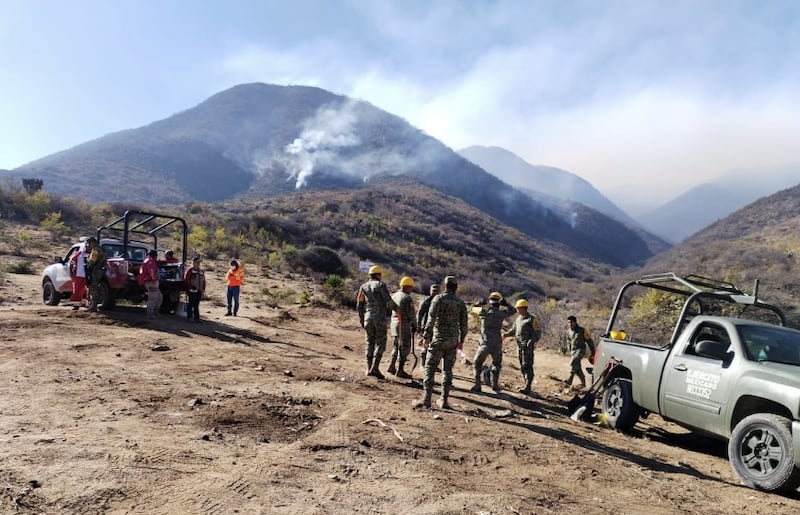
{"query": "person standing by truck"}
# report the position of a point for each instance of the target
(148, 277)
(234, 279)
(95, 270)
(77, 269)
(527, 332)
(195, 279)
(576, 340)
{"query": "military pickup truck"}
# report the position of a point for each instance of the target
(705, 355)
(126, 241)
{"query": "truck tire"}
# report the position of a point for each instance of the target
(617, 405)
(761, 452)
(50, 296)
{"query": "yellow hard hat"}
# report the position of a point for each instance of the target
(495, 295)
(406, 281)
(375, 269)
(521, 303)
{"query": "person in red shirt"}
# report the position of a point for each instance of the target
(234, 278)
(149, 273)
(195, 280)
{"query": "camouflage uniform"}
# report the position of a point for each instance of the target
(446, 329)
(575, 341)
(422, 318)
(95, 273)
(527, 332)
(402, 326)
(492, 318)
(373, 303)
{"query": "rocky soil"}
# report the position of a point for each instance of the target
(270, 412)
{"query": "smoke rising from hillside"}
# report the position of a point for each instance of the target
(330, 130)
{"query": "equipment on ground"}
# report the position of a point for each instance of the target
(582, 408)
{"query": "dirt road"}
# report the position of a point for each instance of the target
(270, 412)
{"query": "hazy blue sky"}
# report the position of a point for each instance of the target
(623, 93)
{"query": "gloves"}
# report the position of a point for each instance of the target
(504, 302)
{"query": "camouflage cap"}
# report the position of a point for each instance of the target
(450, 280)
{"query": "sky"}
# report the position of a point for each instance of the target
(643, 96)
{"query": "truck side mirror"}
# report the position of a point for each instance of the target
(712, 349)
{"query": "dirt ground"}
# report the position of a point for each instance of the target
(270, 412)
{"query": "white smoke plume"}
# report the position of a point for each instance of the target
(331, 129)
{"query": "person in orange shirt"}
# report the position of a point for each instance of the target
(234, 277)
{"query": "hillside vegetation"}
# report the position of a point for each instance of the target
(261, 140)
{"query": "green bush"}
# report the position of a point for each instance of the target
(317, 259)
(20, 267)
(333, 282)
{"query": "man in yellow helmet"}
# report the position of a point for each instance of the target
(446, 330)
(527, 332)
(491, 317)
(373, 303)
(403, 325)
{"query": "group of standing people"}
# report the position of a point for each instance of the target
(442, 321)
(87, 267)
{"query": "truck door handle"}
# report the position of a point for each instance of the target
(680, 367)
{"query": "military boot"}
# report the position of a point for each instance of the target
(527, 388)
(374, 370)
(402, 374)
(477, 387)
(496, 380)
(392, 369)
(425, 402)
(442, 402)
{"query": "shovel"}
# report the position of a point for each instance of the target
(581, 408)
(413, 352)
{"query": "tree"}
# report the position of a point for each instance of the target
(32, 185)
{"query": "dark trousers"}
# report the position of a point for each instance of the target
(193, 310)
(233, 299)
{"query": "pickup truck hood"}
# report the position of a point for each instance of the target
(781, 374)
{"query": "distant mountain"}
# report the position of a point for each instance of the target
(562, 191)
(756, 242)
(704, 204)
(258, 140)
(551, 181)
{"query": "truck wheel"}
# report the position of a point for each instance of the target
(49, 294)
(617, 405)
(761, 452)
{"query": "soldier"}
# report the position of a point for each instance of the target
(575, 341)
(527, 332)
(446, 329)
(492, 317)
(403, 325)
(95, 270)
(422, 317)
(373, 303)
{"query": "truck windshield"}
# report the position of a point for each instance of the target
(775, 344)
